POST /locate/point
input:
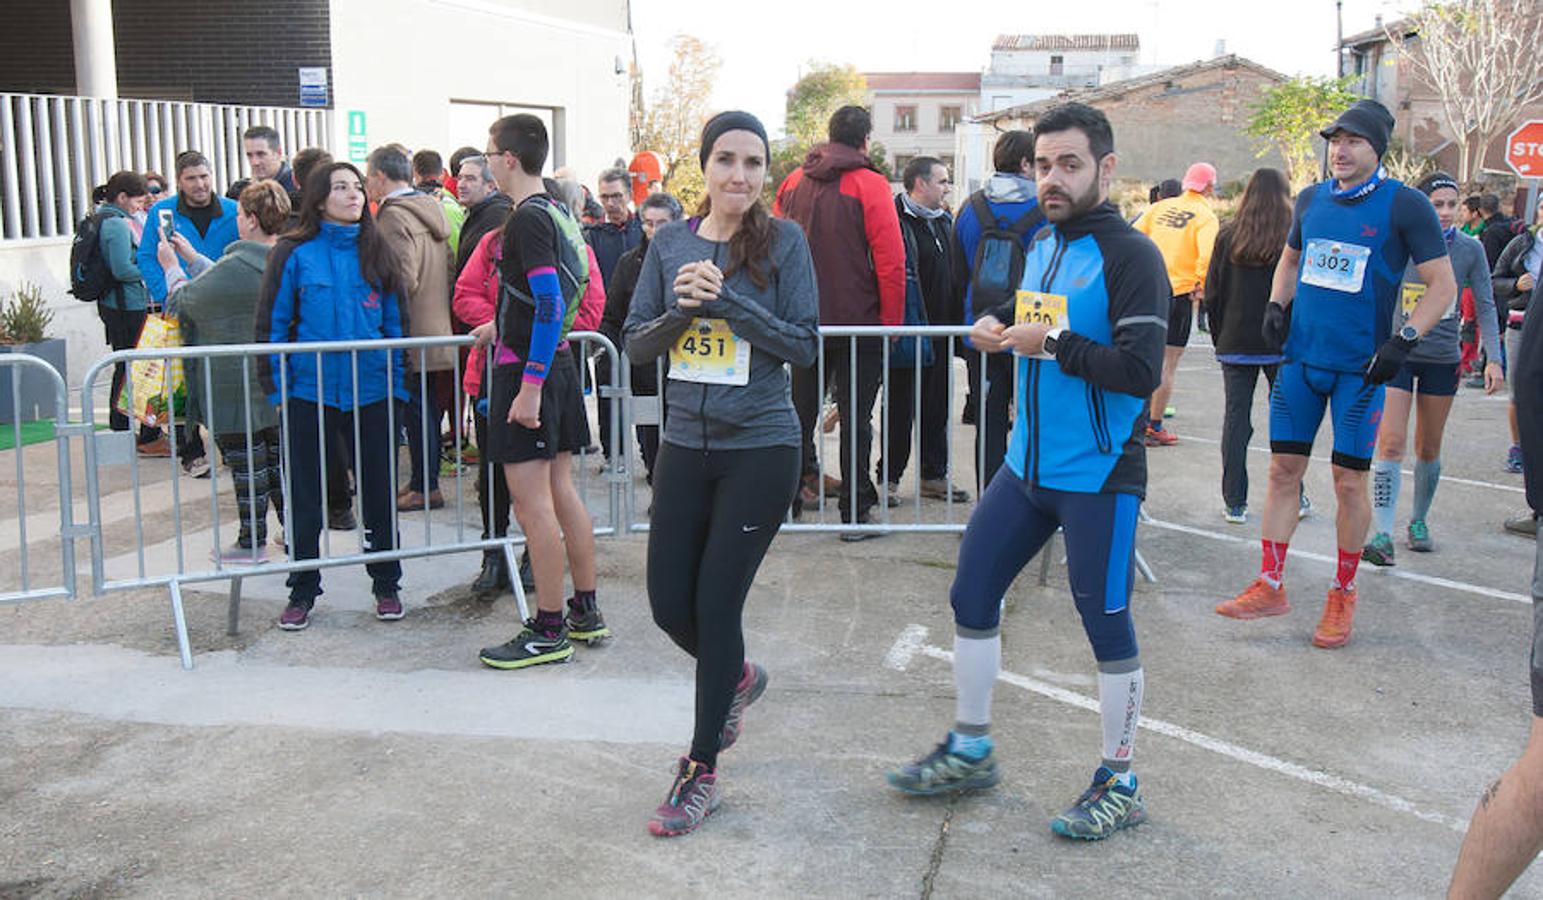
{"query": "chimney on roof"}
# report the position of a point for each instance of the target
(1221, 48)
(1379, 22)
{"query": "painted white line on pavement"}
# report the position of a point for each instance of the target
(1509, 488)
(905, 647)
(1253, 758)
(1432, 580)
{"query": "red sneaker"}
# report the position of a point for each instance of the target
(1257, 601)
(1164, 438)
(1333, 629)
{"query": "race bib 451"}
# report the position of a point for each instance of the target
(709, 352)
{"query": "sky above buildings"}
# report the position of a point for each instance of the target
(766, 46)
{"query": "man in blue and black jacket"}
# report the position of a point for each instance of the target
(1088, 326)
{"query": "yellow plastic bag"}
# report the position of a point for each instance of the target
(154, 390)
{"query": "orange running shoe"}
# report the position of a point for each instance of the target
(1334, 628)
(1257, 601)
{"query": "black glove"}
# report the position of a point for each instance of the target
(1275, 327)
(1389, 359)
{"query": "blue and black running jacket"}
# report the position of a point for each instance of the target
(1081, 416)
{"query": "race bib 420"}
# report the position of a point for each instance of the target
(1036, 308)
(709, 352)
(1335, 265)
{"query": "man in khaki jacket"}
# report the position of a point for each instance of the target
(414, 226)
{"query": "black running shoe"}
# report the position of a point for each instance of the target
(585, 622)
(529, 648)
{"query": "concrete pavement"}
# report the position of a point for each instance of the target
(368, 758)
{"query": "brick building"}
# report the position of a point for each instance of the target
(1165, 120)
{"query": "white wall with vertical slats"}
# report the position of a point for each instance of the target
(54, 150)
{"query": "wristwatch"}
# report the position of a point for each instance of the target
(1052, 339)
(1408, 334)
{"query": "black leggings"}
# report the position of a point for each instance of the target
(714, 515)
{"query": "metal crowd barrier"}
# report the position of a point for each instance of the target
(437, 538)
(173, 524)
(13, 368)
(911, 515)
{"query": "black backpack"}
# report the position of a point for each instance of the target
(997, 269)
(90, 278)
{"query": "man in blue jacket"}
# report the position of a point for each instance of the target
(1087, 329)
(208, 222)
(1009, 203)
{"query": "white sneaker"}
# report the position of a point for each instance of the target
(1237, 515)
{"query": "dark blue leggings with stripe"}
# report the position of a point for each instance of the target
(1012, 523)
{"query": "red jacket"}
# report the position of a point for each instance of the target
(846, 210)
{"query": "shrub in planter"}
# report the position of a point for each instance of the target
(24, 321)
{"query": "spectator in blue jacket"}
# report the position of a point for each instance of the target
(1010, 197)
(333, 279)
(206, 220)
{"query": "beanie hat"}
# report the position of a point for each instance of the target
(1199, 176)
(733, 120)
(1435, 181)
(1368, 119)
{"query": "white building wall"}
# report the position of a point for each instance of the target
(438, 92)
(1075, 63)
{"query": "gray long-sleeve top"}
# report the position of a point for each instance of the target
(781, 323)
(1441, 343)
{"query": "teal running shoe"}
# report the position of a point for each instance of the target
(1104, 808)
(1419, 537)
(944, 772)
(1379, 550)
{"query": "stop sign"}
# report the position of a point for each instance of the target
(1524, 149)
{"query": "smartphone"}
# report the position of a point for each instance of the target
(167, 224)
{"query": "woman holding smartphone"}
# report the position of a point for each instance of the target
(730, 296)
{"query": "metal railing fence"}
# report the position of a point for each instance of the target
(170, 529)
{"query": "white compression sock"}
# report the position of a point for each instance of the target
(977, 660)
(1120, 686)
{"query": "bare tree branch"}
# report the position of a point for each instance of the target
(1482, 59)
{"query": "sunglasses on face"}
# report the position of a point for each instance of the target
(155, 190)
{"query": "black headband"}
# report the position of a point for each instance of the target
(1434, 183)
(733, 120)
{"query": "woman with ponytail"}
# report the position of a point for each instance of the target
(729, 295)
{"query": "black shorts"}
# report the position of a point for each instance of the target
(1180, 315)
(564, 422)
(1427, 379)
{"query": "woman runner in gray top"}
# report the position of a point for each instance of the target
(730, 297)
(1428, 381)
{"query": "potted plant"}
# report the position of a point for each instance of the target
(24, 321)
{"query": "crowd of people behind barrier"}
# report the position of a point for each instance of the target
(1362, 299)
